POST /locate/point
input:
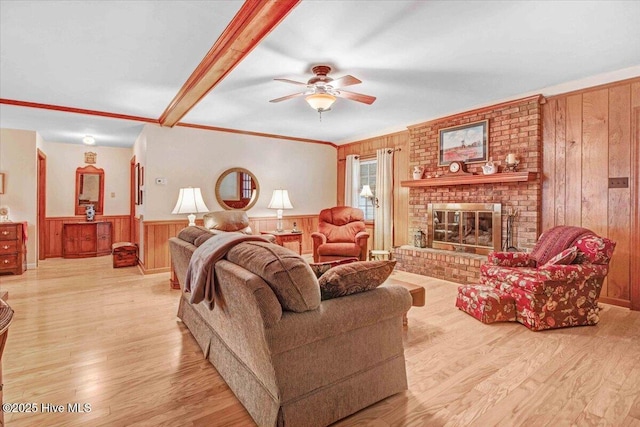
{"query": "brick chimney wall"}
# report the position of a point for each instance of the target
(514, 127)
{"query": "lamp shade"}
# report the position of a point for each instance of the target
(190, 201)
(366, 192)
(280, 200)
(320, 101)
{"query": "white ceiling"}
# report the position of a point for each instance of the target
(421, 59)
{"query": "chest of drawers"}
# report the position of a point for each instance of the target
(13, 248)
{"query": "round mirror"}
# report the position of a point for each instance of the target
(237, 188)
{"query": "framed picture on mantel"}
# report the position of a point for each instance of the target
(466, 143)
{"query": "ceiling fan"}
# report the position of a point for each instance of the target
(322, 90)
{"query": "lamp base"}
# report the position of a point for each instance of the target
(192, 220)
(279, 227)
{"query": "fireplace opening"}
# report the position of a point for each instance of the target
(465, 227)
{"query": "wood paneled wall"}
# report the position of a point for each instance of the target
(590, 136)
(367, 149)
(155, 257)
(120, 228)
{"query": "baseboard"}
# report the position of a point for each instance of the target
(146, 271)
(615, 301)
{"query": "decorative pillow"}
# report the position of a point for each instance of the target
(288, 275)
(320, 268)
(227, 221)
(354, 277)
(565, 257)
(594, 249)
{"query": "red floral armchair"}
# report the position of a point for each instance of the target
(341, 234)
(558, 284)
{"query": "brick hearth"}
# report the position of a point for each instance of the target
(514, 127)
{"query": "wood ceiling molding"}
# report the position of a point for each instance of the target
(254, 20)
(246, 132)
(76, 110)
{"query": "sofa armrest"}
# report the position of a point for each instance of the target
(338, 316)
(362, 237)
(510, 259)
(572, 272)
(361, 240)
(318, 238)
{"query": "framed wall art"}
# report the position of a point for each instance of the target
(1, 183)
(136, 184)
(466, 143)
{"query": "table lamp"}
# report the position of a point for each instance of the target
(190, 202)
(280, 200)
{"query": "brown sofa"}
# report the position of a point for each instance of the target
(309, 367)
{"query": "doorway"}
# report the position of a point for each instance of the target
(42, 204)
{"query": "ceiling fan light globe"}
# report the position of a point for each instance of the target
(320, 101)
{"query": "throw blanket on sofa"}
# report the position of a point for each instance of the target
(200, 279)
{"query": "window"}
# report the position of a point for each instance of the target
(246, 185)
(368, 177)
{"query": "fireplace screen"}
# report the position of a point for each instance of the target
(468, 227)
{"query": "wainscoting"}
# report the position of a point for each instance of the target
(120, 228)
(154, 250)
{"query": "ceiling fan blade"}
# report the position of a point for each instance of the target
(344, 81)
(284, 98)
(356, 97)
(291, 81)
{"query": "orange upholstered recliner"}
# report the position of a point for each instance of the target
(341, 234)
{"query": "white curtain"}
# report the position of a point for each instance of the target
(383, 230)
(352, 181)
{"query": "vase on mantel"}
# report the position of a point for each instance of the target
(418, 171)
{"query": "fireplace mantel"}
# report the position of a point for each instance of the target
(470, 179)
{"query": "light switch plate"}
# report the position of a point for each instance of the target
(622, 182)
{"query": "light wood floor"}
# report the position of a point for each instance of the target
(86, 333)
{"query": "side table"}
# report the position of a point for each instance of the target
(283, 237)
(418, 294)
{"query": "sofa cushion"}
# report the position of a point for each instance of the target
(565, 257)
(191, 233)
(319, 268)
(203, 238)
(354, 277)
(340, 249)
(288, 275)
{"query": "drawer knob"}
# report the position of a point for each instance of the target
(6, 261)
(5, 247)
(5, 232)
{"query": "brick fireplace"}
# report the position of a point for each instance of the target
(514, 127)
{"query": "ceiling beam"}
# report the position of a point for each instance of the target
(254, 20)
